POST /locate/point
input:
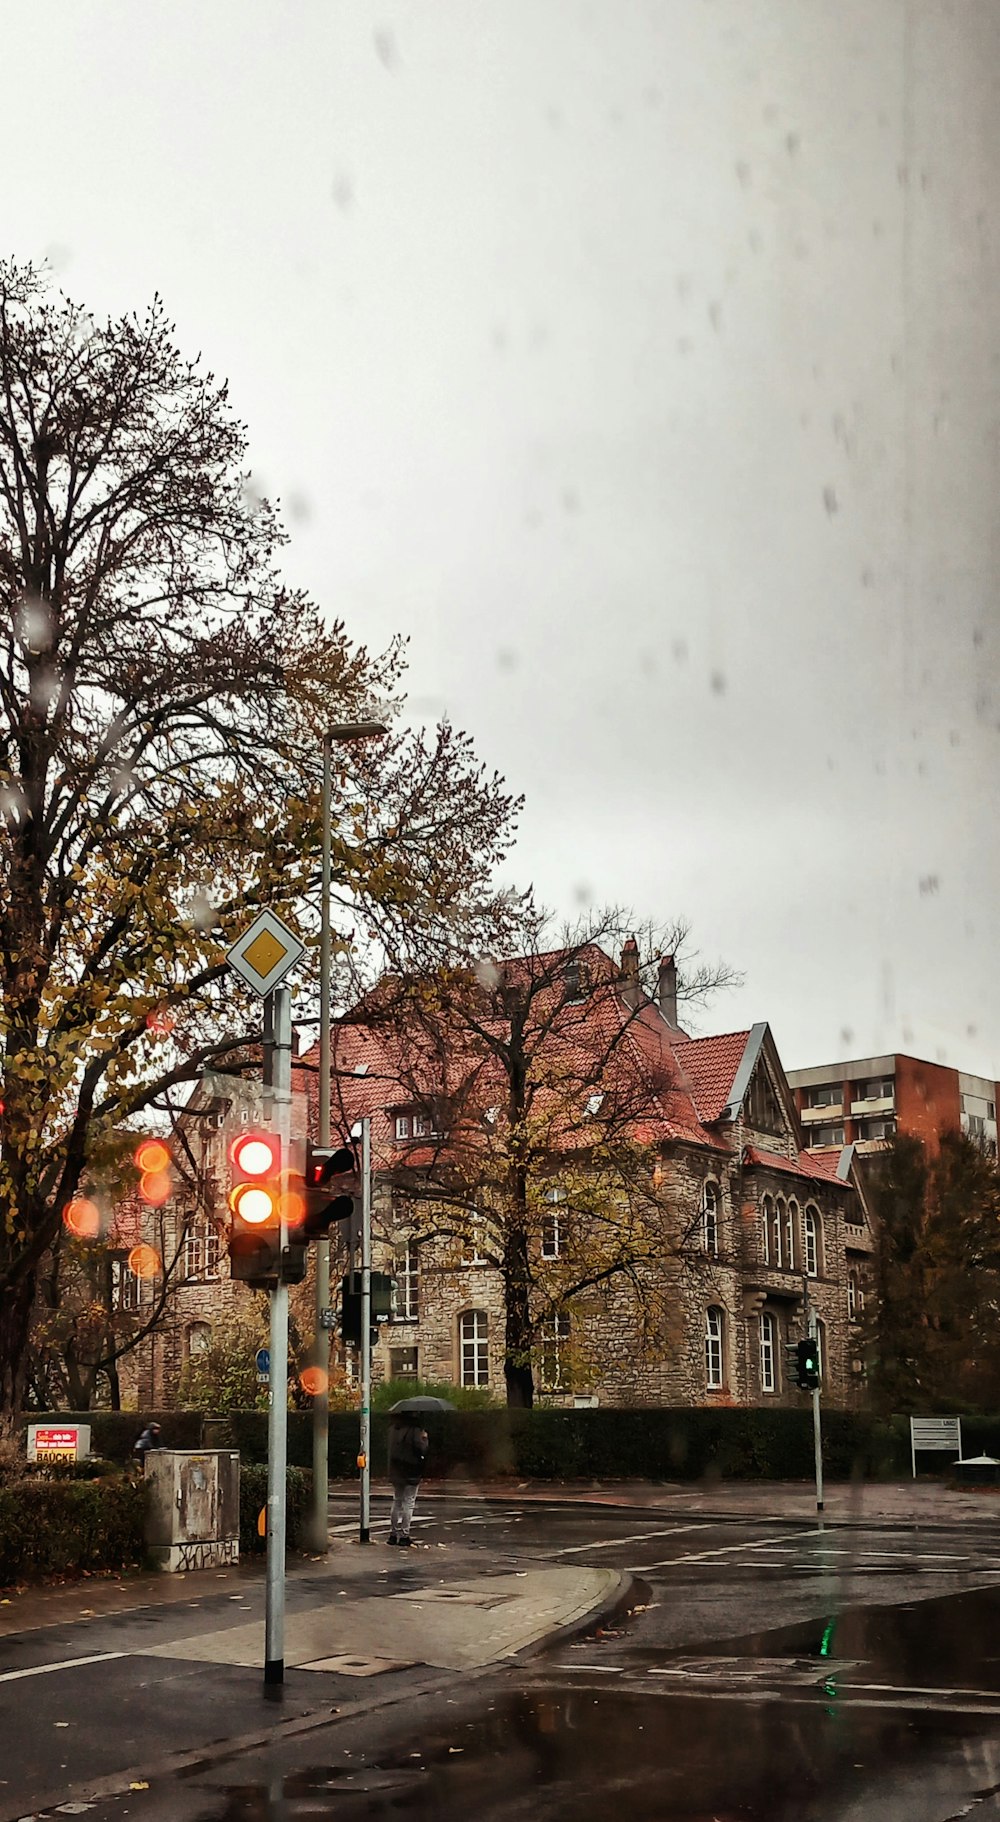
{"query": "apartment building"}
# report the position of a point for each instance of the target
(865, 1100)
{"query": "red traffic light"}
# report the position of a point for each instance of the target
(256, 1162)
(256, 1154)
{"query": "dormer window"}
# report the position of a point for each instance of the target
(412, 1123)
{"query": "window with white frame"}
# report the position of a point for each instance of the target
(812, 1237)
(201, 1251)
(855, 1297)
(768, 1379)
(401, 1127)
(714, 1349)
(554, 1364)
(791, 1234)
(766, 1217)
(781, 1217)
(473, 1335)
(710, 1218)
(473, 1242)
(551, 1234)
(777, 1235)
(406, 1271)
(126, 1288)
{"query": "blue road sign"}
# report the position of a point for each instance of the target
(262, 1360)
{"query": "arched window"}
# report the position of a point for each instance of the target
(852, 1297)
(473, 1331)
(791, 1225)
(710, 1218)
(766, 1217)
(713, 1349)
(768, 1380)
(813, 1241)
(777, 1235)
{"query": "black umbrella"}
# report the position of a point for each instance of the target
(419, 1404)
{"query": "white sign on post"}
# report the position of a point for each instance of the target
(265, 953)
(935, 1433)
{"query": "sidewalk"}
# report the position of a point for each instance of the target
(146, 1675)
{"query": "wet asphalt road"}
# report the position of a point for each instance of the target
(767, 1671)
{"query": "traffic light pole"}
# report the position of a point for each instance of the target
(817, 1422)
(278, 1113)
(319, 1527)
(813, 1330)
(364, 1450)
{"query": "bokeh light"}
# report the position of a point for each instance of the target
(152, 1155)
(144, 1262)
(293, 1207)
(314, 1380)
(82, 1218)
(155, 1187)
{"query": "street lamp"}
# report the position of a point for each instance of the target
(342, 733)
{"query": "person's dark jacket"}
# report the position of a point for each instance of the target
(150, 1439)
(408, 1445)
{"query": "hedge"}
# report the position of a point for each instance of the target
(693, 1443)
(51, 1525)
(253, 1498)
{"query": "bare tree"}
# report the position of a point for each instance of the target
(546, 1100)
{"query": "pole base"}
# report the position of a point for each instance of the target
(274, 1673)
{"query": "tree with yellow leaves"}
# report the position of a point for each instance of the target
(163, 695)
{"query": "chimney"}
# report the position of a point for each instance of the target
(631, 988)
(666, 989)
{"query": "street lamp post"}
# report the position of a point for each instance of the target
(343, 733)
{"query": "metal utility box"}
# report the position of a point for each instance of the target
(194, 1508)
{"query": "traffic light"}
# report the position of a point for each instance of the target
(332, 1184)
(383, 1302)
(807, 1368)
(255, 1204)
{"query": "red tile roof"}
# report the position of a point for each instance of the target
(817, 1167)
(708, 1068)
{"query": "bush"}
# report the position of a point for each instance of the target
(463, 1397)
(50, 1526)
(253, 1498)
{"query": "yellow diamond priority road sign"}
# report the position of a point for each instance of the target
(264, 954)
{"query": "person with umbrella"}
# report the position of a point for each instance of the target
(408, 1448)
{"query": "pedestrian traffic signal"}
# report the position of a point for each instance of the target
(382, 1304)
(255, 1205)
(807, 1362)
(332, 1184)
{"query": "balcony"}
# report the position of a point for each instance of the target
(885, 1103)
(831, 1110)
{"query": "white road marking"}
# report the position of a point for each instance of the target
(12, 1676)
(702, 1556)
(636, 1537)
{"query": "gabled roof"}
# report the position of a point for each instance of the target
(707, 1068)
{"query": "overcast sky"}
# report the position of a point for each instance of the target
(641, 362)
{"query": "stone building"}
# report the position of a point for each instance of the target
(750, 1222)
(736, 1226)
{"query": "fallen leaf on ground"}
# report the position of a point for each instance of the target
(139, 1784)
